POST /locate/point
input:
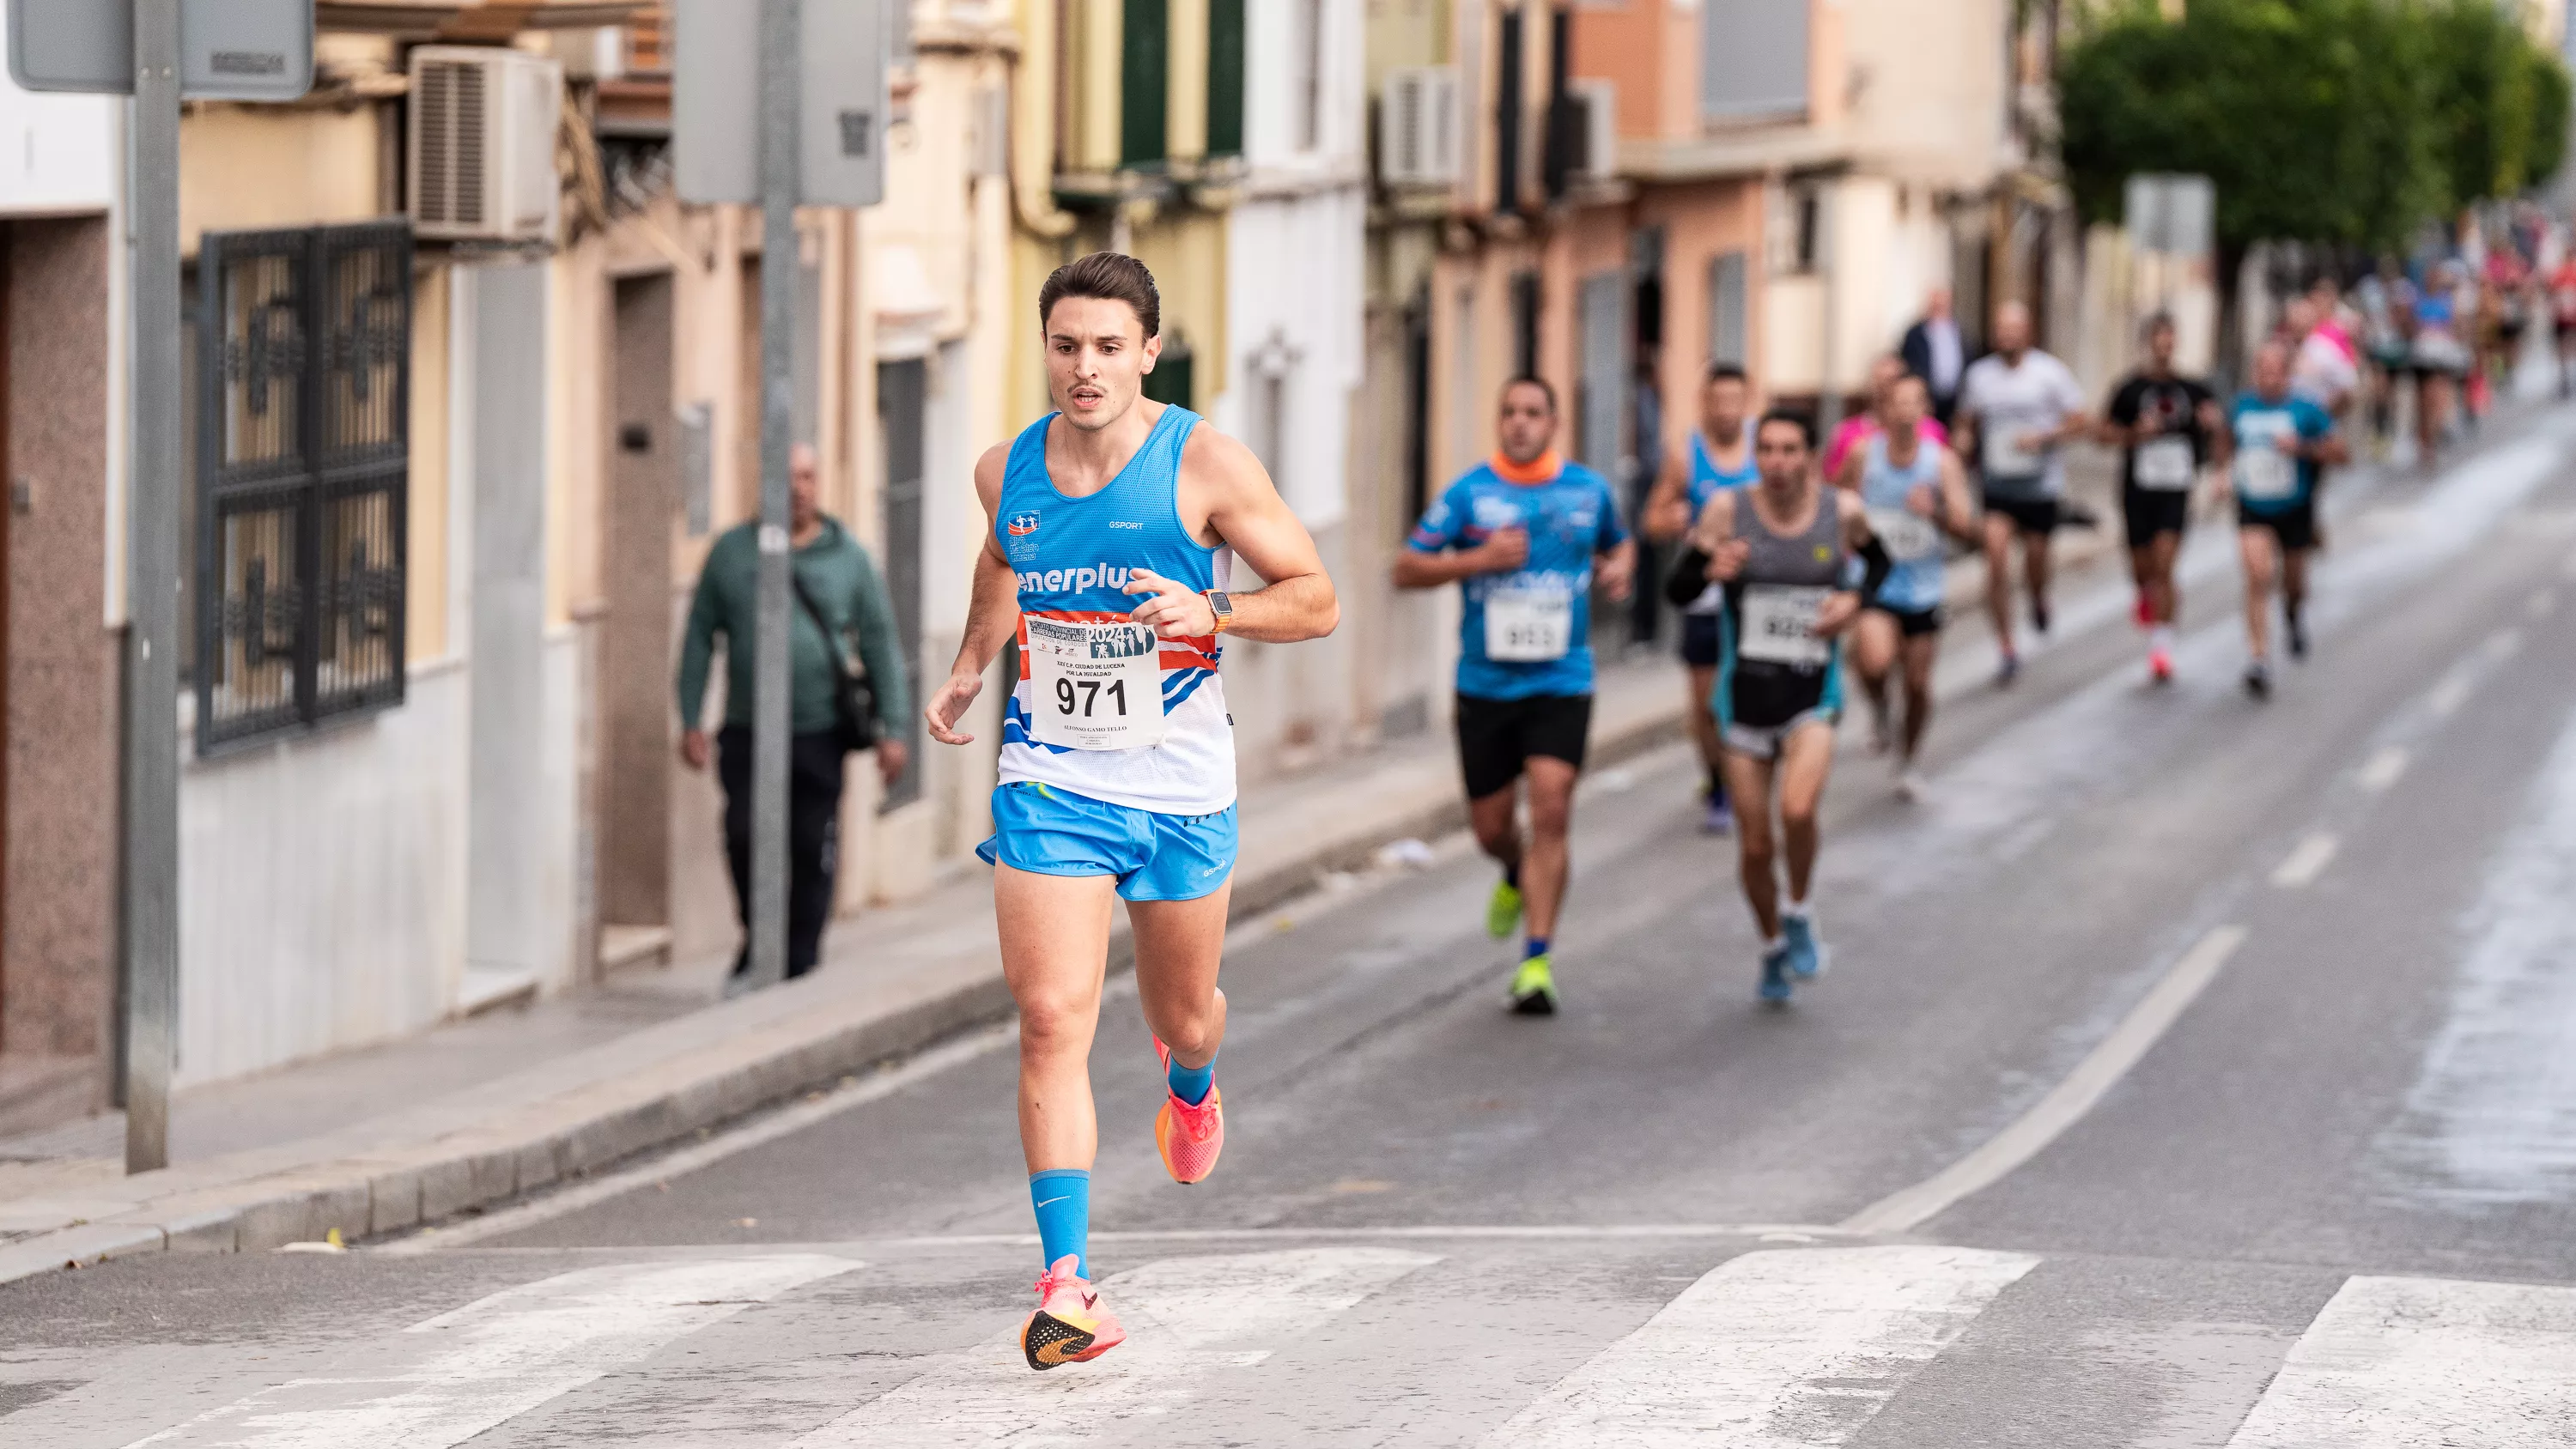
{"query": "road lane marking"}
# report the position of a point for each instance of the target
(2305, 862)
(726, 1143)
(1188, 1320)
(2067, 1102)
(2393, 1363)
(2383, 769)
(442, 1381)
(2450, 694)
(1771, 1350)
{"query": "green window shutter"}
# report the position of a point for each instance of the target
(1225, 78)
(1169, 382)
(1144, 66)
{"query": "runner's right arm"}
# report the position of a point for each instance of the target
(1436, 552)
(1667, 512)
(993, 617)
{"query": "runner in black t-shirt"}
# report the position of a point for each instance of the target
(2161, 423)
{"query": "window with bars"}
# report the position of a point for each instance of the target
(303, 441)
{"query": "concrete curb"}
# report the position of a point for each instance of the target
(779, 1054)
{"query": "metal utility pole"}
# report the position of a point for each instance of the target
(781, 94)
(151, 786)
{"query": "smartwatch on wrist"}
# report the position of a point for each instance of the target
(1221, 604)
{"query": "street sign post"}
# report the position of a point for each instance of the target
(151, 833)
(157, 51)
(233, 50)
(792, 116)
(843, 49)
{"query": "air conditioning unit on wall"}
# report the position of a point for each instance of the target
(1600, 100)
(1418, 127)
(482, 144)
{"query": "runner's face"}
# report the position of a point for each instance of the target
(1097, 358)
(2272, 371)
(1527, 424)
(1882, 378)
(1723, 407)
(2160, 349)
(2012, 329)
(1905, 405)
(1780, 451)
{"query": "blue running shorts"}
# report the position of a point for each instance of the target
(1049, 830)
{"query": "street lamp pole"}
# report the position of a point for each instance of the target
(781, 74)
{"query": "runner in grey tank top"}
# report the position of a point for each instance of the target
(1781, 548)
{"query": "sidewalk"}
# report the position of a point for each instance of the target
(480, 1111)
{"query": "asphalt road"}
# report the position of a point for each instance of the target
(2192, 1072)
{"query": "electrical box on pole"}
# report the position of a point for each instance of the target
(229, 50)
(845, 47)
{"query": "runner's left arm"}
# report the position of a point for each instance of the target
(1246, 514)
(1958, 511)
(1844, 605)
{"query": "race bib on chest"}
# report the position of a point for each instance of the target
(2165, 464)
(1907, 535)
(1095, 686)
(2006, 457)
(1528, 627)
(2266, 474)
(1779, 626)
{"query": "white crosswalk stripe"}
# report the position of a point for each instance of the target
(1187, 1319)
(1772, 1350)
(2417, 1363)
(445, 1380)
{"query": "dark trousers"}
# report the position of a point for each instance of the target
(813, 837)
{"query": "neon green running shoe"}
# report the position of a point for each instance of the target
(1534, 988)
(1503, 912)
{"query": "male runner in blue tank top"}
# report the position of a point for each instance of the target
(1522, 532)
(1720, 457)
(1114, 523)
(1916, 493)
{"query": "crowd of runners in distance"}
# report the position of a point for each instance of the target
(1804, 570)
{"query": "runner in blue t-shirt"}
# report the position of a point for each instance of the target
(2274, 448)
(1523, 532)
(1720, 457)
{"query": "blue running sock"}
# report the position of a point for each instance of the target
(1063, 1202)
(1191, 1084)
(1537, 947)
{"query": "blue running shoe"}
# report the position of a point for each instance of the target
(1775, 975)
(1806, 953)
(1720, 819)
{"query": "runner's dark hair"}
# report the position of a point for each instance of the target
(1725, 372)
(1530, 380)
(1111, 277)
(2156, 322)
(1806, 429)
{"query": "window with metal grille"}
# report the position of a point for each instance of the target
(303, 444)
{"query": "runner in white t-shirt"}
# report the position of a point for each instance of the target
(2017, 408)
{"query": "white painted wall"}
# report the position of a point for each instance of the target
(58, 153)
(322, 887)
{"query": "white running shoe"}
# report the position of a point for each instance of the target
(1910, 787)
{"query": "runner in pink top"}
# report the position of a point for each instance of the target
(1861, 427)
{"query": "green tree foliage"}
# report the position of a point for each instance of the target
(2340, 121)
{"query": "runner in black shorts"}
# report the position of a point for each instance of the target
(2161, 421)
(1525, 534)
(2016, 407)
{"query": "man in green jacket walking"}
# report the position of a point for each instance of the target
(837, 573)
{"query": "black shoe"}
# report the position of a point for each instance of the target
(2038, 617)
(2298, 638)
(2258, 680)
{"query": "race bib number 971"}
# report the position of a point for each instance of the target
(1095, 686)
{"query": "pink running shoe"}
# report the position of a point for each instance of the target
(2160, 666)
(1070, 1326)
(1188, 1137)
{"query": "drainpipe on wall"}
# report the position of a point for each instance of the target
(1032, 135)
